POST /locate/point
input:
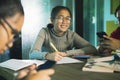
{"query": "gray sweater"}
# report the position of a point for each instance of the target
(70, 42)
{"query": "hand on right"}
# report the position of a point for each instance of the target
(113, 43)
(103, 50)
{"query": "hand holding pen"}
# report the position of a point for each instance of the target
(56, 56)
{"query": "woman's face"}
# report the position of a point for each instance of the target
(6, 35)
(62, 21)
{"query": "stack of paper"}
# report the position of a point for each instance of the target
(100, 65)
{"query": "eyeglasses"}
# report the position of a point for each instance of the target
(61, 18)
(16, 34)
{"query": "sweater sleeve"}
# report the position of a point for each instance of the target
(35, 52)
(116, 33)
(82, 46)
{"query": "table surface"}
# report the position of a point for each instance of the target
(74, 72)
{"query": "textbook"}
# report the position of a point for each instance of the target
(99, 67)
(102, 65)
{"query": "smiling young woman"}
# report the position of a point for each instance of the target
(64, 39)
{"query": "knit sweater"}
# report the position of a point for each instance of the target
(70, 42)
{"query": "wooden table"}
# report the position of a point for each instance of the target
(74, 72)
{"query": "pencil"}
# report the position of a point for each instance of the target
(52, 45)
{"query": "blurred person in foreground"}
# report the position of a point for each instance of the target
(11, 21)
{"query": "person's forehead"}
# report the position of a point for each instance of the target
(63, 12)
(16, 21)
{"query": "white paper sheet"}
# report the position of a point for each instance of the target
(66, 60)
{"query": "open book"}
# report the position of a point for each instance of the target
(10, 68)
(16, 64)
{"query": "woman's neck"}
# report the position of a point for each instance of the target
(58, 33)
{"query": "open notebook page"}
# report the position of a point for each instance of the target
(16, 64)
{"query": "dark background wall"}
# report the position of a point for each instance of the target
(79, 17)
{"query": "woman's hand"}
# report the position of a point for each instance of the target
(30, 73)
(24, 72)
(56, 56)
(112, 43)
(40, 75)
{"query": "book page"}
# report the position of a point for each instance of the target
(16, 64)
(66, 60)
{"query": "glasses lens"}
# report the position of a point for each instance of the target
(61, 18)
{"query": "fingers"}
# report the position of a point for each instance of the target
(47, 71)
(106, 46)
(56, 56)
(23, 73)
(45, 74)
(40, 75)
(62, 53)
(32, 67)
(112, 43)
(59, 55)
(107, 37)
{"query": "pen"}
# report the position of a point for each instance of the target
(52, 45)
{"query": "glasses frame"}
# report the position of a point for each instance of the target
(17, 35)
(61, 18)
